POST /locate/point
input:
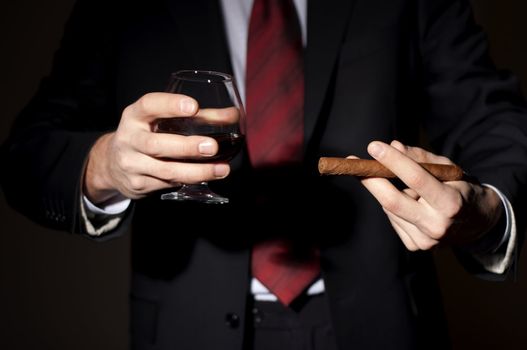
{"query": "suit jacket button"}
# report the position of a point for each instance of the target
(232, 320)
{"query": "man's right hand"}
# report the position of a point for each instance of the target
(134, 161)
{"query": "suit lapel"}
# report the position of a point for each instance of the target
(326, 24)
(201, 21)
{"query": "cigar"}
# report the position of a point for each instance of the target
(372, 168)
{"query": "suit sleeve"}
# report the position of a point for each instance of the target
(476, 114)
(45, 155)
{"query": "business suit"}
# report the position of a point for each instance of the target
(374, 70)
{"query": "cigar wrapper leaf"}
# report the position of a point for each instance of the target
(372, 168)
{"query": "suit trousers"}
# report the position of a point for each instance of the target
(304, 325)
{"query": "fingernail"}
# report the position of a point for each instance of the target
(376, 149)
(206, 148)
(187, 105)
(221, 170)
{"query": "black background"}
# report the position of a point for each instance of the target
(59, 291)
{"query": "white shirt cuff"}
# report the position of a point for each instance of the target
(98, 221)
(499, 260)
(110, 209)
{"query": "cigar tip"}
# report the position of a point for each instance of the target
(321, 165)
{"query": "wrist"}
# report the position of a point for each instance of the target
(491, 235)
(495, 209)
(97, 184)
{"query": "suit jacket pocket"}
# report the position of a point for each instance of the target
(369, 43)
(143, 321)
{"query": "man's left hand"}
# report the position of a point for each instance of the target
(430, 211)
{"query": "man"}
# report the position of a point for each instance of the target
(374, 71)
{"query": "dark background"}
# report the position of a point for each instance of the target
(59, 291)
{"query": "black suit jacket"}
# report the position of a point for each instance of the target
(375, 70)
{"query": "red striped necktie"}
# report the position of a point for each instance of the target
(275, 132)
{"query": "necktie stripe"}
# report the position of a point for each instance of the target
(287, 136)
(285, 151)
(285, 131)
(284, 93)
(282, 97)
(267, 80)
(270, 116)
(267, 40)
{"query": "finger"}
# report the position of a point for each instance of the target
(160, 145)
(419, 239)
(407, 206)
(395, 201)
(398, 146)
(177, 172)
(403, 236)
(433, 191)
(420, 155)
(161, 105)
(411, 193)
(229, 115)
(141, 185)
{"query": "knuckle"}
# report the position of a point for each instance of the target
(167, 173)
(454, 205)
(184, 173)
(124, 163)
(137, 184)
(437, 231)
(188, 146)
(144, 103)
(425, 244)
(418, 220)
(179, 150)
(127, 111)
(419, 245)
(416, 181)
(391, 204)
(151, 145)
(120, 138)
(421, 153)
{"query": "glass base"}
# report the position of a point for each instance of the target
(197, 193)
